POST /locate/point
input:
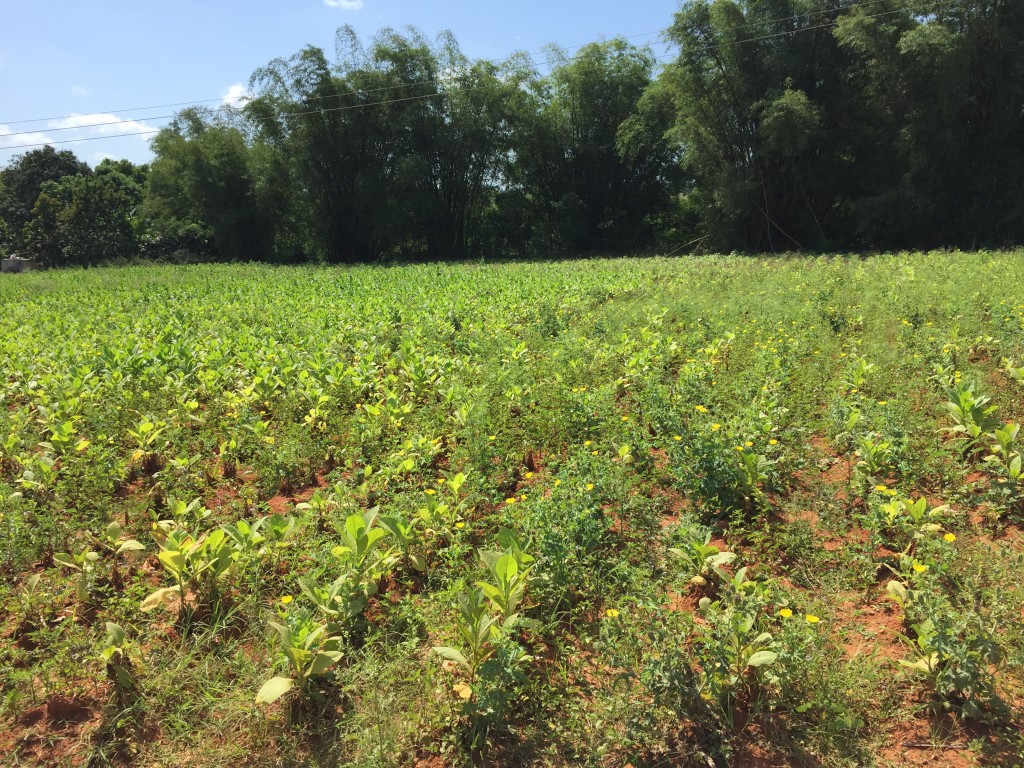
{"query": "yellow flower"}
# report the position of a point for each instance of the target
(557, 483)
(950, 537)
(510, 500)
(749, 444)
(528, 475)
(460, 525)
(522, 497)
(492, 437)
(919, 568)
(286, 599)
(738, 448)
(883, 402)
(715, 427)
(594, 453)
(785, 613)
(811, 618)
(700, 409)
(590, 486)
(677, 438)
(611, 613)
(625, 418)
(430, 492)
(586, 443)
(881, 488)
(773, 442)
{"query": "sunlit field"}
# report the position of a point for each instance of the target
(661, 512)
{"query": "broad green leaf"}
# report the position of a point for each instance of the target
(323, 661)
(273, 689)
(506, 568)
(174, 562)
(761, 658)
(65, 560)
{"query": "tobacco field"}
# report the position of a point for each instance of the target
(708, 511)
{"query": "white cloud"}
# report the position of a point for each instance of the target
(348, 5)
(236, 96)
(99, 157)
(34, 137)
(102, 124)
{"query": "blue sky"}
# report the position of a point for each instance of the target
(92, 61)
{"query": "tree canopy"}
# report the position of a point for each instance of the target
(778, 125)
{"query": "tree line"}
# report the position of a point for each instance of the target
(778, 125)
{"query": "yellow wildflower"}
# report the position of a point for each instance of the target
(785, 613)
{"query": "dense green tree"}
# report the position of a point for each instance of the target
(83, 220)
(779, 125)
(202, 191)
(391, 150)
(939, 138)
(592, 163)
(22, 180)
(869, 125)
(753, 84)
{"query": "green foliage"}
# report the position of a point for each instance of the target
(594, 484)
(310, 654)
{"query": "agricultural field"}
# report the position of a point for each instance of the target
(715, 511)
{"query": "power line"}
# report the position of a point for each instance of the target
(468, 90)
(505, 60)
(795, 17)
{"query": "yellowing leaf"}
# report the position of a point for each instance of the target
(273, 689)
(158, 598)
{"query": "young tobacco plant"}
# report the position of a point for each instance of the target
(700, 557)
(875, 457)
(492, 663)
(310, 653)
(192, 560)
(971, 414)
(900, 523)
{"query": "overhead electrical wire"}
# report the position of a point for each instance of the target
(221, 98)
(364, 105)
(507, 59)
